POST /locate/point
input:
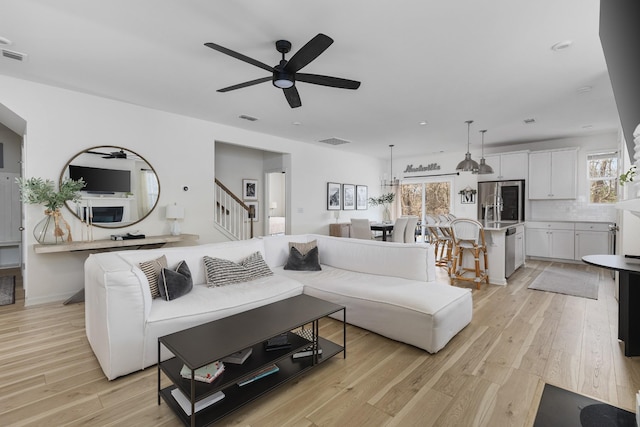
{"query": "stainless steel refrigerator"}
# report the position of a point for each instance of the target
(501, 200)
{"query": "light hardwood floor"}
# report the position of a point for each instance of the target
(491, 374)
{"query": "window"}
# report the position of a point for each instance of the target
(602, 176)
(431, 197)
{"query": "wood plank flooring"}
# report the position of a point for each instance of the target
(491, 374)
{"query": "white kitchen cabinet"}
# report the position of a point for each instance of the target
(507, 166)
(550, 240)
(591, 239)
(552, 174)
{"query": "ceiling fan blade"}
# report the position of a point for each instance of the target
(308, 52)
(239, 56)
(293, 97)
(245, 84)
(317, 79)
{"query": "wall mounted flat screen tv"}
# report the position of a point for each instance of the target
(102, 180)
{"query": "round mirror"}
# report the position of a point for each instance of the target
(121, 186)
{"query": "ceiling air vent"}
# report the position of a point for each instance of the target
(334, 141)
(529, 121)
(13, 55)
(245, 117)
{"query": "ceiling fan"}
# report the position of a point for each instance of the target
(285, 74)
(112, 155)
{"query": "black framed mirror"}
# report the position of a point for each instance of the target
(122, 188)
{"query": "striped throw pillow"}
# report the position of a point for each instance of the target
(221, 272)
(152, 270)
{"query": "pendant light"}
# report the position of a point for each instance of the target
(468, 165)
(393, 182)
(483, 168)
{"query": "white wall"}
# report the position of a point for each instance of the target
(60, 123)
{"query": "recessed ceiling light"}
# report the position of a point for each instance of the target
(296, 123)
(5, 41)
(562, 45)
(423, 123)
(246, 117)
(584, 89)
(587, 126)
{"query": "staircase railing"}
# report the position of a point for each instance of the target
(232, 214)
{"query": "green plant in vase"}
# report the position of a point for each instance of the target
(385, 201)
(37, 191)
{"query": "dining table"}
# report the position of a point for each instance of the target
(385, 227)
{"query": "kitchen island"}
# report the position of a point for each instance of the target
(503, 257)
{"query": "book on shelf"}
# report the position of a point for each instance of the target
(206, 374)
(185, 403)
(278, 342)
(238, 357)
(308, 350)
(267, 370)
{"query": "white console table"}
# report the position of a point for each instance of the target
(104, 245)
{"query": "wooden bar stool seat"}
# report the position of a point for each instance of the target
(468, 236)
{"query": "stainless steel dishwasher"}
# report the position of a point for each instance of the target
(510, 252)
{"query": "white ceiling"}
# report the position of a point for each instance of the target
(438, 61)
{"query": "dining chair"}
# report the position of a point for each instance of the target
(398, 229)
(441, 241)
(468, 236)
(410, 230)
(361, 229)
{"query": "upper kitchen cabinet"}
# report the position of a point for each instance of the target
(507, 166)
(552, 174)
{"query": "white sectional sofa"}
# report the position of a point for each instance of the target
(388, 288)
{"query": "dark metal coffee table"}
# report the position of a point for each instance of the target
(198, 346)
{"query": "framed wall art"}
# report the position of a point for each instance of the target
(250, 189)
(348, 197)
(334, 199)
(255, 206)
(362, 197)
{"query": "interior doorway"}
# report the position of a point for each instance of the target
(12, 131)
(276, 206)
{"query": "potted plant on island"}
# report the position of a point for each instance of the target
(42, 192)
(383, 200)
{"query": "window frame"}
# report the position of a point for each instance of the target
(614, 153)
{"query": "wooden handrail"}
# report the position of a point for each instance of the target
(233, 196)
(250, 209)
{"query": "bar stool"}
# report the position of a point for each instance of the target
(468, 235)
(440, 237)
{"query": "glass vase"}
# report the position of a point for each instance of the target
(52, 229)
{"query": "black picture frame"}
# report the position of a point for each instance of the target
(362, 197)
(348, 197)
(334, 196)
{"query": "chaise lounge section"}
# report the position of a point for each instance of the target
(388, 288)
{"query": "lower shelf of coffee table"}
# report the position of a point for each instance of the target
(236, 396)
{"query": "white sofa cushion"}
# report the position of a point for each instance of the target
(204, 304)
(426, 315)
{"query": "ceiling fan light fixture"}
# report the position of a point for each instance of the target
(282, 80)
(468, 164)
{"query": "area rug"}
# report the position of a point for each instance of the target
(568, 279)
(563, 408)
(7, 290)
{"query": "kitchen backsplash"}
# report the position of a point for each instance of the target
(570, 210)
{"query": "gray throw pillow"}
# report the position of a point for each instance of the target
(221, 272)
(307, 262)
(174, 284)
